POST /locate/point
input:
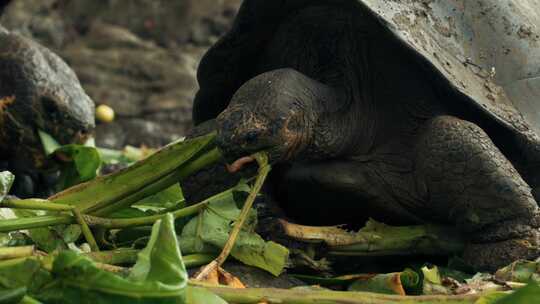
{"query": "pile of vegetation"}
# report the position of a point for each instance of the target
(119, 238)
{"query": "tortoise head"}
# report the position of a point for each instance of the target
(275, 112)
(39, 91)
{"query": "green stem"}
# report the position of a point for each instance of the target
(29, 300)
(16, 252)
(184, 171)
(35, 222)
(105, 190)
(194, 260)
(111, 223)
(129, 256)
(114, 257)
(86, 230)
(34, 204)
(94, 221)
(297, 296)
(402, 240)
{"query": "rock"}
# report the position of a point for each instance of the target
(162, 21)
(38, 19)
(149, 87)
(138, 57)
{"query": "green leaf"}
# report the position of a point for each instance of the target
(159, 276)
(388, 283)
(520, 271)
(6, 181)
(161, 260)
(27, 273)
(12, 295)
(17, 273)
(209, 231)
(110, 188)
(84, 164)
(78, 280)
(130, 213)
(432, 283)
(48, 239)
(525, 295)
(84, 167)
(49, 143)
(491, 297)
(170, 197)
(198, 295)
(431, 275)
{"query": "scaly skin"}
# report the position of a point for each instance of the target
(42, 92)
(357, 130)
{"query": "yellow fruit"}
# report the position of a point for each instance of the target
(104, 113)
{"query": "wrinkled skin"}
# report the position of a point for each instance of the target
(40, 91)
(369, 134)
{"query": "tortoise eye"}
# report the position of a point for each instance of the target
(251, 136)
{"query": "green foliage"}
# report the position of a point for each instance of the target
(12, 295)
(197, 295)
(525, 295)
(48, 239)
(388, 283)
(168, 198)
(209, 231)
(159, 276)
(80, 162)
(520, 271)
(107, 189)
(84, 165)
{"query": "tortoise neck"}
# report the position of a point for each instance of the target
(336, 125)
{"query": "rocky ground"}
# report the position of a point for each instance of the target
(138, 56)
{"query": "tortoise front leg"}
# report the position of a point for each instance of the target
(471, 183)
(344, 191)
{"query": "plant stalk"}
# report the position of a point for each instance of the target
(35, 222)
(94, 221)
(264, 168)
(7, 253)
(86, 230)
(33, 204)
(129, 256)
(292, 296)
(298, 296)
(105, 190)
(184, 171)
(111, 223)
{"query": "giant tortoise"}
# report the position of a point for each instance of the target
(405, 111)
(38, 91)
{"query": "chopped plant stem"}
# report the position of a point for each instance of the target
(299, 296)
(114, 257)
(105, 190)
(101, 222)
(86, 230)
(264, 168)
(129, 256)
(184, 171)
(111, 223)
(35, 222)
(16, 252)
(33, 204)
